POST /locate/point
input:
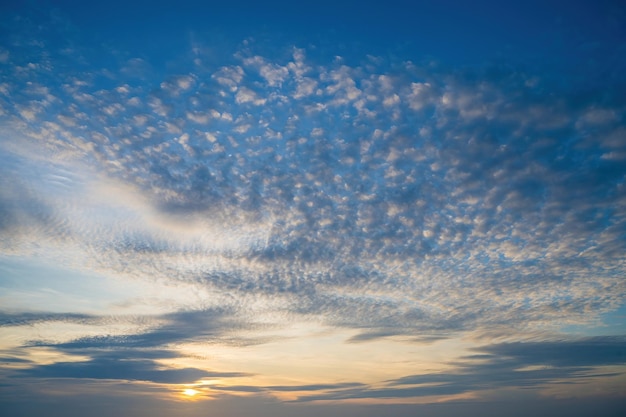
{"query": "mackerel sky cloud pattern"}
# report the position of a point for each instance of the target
(247, 196)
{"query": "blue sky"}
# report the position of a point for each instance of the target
(352, 208)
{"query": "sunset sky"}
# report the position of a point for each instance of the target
(338, 208)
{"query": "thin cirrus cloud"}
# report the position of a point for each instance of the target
(383, 199)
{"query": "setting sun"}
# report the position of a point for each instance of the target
(190, 392)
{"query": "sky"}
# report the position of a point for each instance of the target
(333, 208)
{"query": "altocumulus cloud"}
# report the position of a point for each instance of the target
(387, 197)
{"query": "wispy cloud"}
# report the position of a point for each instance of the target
(130, 370)
(529, 365)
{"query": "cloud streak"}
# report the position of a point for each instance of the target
(528, 365)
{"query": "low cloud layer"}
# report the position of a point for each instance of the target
(528, 365)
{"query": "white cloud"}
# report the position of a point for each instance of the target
(597, 116)
(343, 87)
(140, 119)
(420, 96)
(241, 129)
(210, 137)
(4, 89)
(158, 106)
(178, 84)
(305, 87)
(198, 117)
(245, 95)
(185, 82)
(391, 100)
(229, 76)
(298, 66)
(67, 121)
(274, 74)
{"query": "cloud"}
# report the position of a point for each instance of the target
(130, 370)
(529, 365)
(173, 328)
(593, 351)
(288, 388)
(133, 357)
(306, 87)
(272, 73)
(229, 76)
(24, 319)
(447, 178)
(245, 95)
(387, 199)
(198, 117)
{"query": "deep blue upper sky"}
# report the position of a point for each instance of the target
(456, 32)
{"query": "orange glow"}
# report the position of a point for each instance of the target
(189, 392)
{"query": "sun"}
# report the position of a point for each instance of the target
(190, 392)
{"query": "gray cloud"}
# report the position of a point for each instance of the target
(132, 370)
(594, 351)
(289, 388)
(163, 331)
(130, 356)
(24, 319)
(529, 365)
